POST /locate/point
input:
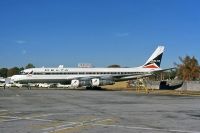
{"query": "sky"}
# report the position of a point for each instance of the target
(101, 32)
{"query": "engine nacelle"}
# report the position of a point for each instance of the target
(79, 83)
(100, 82)
(75, 83)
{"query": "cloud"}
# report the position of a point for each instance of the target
(24, 51)
(122, 34)
(20, 42)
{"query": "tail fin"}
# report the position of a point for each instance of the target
(155, 60)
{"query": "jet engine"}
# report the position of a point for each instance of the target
(79, 83)
(100, 82)
(75, 83)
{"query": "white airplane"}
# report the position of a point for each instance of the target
(90, 77)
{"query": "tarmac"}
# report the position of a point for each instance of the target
(90, 111)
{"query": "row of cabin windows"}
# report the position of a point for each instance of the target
(56, 69)
(82, 73)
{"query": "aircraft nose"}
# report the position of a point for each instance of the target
(16, 78)
(13, 78)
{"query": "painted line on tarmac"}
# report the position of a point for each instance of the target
(9, 118)
(70, 125)
(33, 119)
(146, 128)
(104, 120)
(12, 118)
(43, 115)
(52, 114)
(3, 110)
(60, 127)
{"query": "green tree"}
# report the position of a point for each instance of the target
(114, 66)
(3, 72)
(21, 68)
(188, 69)
(30, 66)
(13, 71)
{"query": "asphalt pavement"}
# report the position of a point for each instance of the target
(90, 111)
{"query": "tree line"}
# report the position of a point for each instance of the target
(7, 72)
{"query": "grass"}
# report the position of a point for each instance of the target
(118, 86)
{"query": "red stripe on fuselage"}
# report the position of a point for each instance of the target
(151, 66)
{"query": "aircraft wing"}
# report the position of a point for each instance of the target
(162, 70)
(117, 78)
(132, 77)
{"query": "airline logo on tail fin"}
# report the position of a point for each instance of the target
(155, 60)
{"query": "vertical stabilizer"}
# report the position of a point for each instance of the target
(155, 60)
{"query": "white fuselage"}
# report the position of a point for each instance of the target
(65, 75)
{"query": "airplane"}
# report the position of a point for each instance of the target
(90, 77)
